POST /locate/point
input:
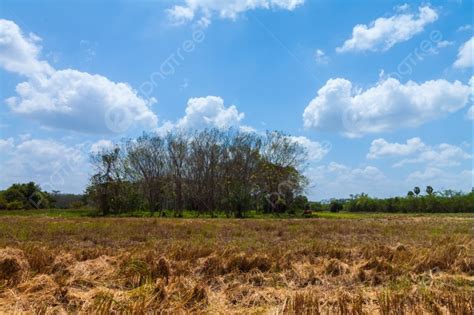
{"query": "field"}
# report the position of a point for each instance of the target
(334, 264)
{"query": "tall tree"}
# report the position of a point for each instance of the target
(146, 164)
(177, 146)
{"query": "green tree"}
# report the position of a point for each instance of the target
(417, 190)
(429, 190)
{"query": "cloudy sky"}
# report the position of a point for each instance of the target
(379, 92)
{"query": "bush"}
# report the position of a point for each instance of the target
(335, 206)
(442, 202)
(15, 205)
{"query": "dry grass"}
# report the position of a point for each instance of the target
(402, 265)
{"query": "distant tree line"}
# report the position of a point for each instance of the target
(25, 196)
(415, 202)
(206, 171)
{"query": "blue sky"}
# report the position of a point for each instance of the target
(380, 92)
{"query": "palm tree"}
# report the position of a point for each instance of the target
(429, 190)
(416, 190)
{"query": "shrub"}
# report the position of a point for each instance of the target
(15, 205)
(335, 206)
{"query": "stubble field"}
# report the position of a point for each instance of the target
(385, 265)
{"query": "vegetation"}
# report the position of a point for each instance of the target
(108, 265)
(208, 171)
(25, 196)
(441, 202)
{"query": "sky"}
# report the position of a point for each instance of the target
(378, 92)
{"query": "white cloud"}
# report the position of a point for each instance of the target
(441, 180)
(19, 53)
(402, 7)
(316, 151)
(53, 165)
(387, 106)
(179, 14)
(224, 9)
(444, 43)
(6, 145)
(470, 113)
(74, 100)
(380, 148)
(384, 33)
(416, 151)
(336, 180)
(206, 112)
(101, 145)
(442, 155)
(68, 99)
(463, 28)
(320, 57)
(465, 58)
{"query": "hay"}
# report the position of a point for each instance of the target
(327, 268)
(334, 267)
(14, 267)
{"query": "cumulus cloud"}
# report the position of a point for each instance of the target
(441, 179)
(470, 113)
(315, 150)
(206, 112)
(19, 53)
(224, 9)
(386, 106)
(465, 58)
(6, 144)
(336, 180)
(68, 99)
(385, 32)
(53, 165)
(74, 100)
(416, 151)
(442, 155)
(380, 148)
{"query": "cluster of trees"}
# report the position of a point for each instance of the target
(24, 197)
(207, 171)
(414, 202)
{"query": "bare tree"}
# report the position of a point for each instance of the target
(177, 146)
(146, 164)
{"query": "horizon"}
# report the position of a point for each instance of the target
(379, 94)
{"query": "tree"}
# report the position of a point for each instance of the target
(177, 146)
(416, 190)
(207, 171)
(26, 196)
(240, 161)
(300, 202)
(105, 187)
(429, 190)
(335, 206)
(146, 164)
(410, 194)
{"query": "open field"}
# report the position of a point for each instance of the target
(377, 264)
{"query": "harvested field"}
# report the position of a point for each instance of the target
(390, 265)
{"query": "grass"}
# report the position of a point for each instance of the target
(335, 263)
(71, 213)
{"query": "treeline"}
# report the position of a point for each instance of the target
(28, 196)
(431, 202)
(206, 171)
(24, 197)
